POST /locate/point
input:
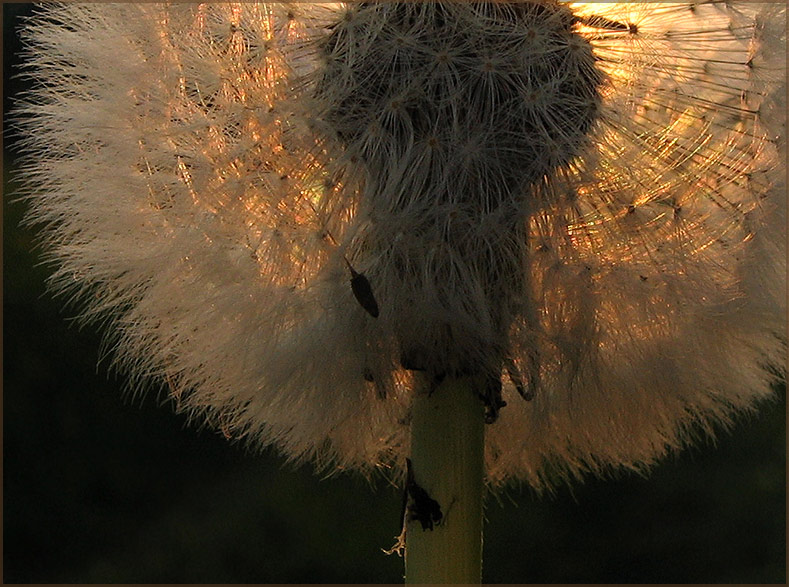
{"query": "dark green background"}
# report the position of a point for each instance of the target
(98, 488)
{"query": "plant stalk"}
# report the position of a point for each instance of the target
(447, 461)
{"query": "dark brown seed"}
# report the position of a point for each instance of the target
(363, 292)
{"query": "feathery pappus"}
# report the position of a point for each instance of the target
(288, 211)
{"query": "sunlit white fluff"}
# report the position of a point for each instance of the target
(199, 191)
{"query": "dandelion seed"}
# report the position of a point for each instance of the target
(585, 197)
(364, 292)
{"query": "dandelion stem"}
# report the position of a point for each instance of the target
(447, 433)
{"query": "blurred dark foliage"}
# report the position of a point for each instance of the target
(100, 488)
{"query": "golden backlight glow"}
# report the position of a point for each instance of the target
(592, 229)
(210, 178)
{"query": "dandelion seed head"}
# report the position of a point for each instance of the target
(584, 198)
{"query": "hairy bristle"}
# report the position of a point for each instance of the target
(583, 200)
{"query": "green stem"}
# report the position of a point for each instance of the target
(447, 455)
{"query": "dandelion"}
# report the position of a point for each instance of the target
(358, 232)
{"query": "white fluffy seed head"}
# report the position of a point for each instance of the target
(585, 196)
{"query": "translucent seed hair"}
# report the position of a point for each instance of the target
(584, 201)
